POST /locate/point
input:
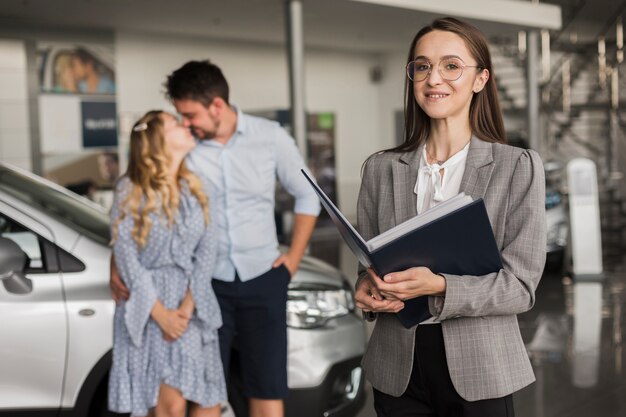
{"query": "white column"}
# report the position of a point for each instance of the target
(532, 61)
(295, 41)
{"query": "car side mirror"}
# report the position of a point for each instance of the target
(13, 261)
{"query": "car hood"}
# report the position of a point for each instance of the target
(314, 271)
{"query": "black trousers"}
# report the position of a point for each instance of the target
(430, 391)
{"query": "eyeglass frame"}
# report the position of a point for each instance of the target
(463, 66)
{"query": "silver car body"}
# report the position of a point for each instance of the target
(55, 336)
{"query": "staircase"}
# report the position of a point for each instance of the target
(583, 131)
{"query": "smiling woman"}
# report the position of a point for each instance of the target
(445, 95)
(454, 142)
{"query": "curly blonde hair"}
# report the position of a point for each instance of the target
(148, 171)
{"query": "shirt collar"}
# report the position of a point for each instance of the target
(242, 125)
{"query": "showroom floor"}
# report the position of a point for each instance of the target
(573, 336)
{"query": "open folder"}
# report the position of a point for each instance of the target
(453, 237)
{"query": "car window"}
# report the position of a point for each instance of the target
(28, 241)
(74, 211)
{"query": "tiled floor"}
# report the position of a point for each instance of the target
(573, 336)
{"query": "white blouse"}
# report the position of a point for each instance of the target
(436, 183)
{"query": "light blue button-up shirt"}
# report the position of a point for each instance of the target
(243, 177)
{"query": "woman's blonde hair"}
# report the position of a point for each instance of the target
(148, 171)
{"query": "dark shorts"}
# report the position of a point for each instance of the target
(255, 312)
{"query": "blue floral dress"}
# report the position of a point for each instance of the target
(175, 258)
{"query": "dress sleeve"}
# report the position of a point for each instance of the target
(137, 278)
(205, 255)
(512, 289)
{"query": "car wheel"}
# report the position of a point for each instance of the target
(99, 406)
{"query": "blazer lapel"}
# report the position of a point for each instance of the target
(478, 168)
(404, 170)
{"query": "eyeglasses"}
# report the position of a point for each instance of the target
(450, 69)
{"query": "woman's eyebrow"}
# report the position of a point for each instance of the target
(443, 57)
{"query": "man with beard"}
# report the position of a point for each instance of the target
(241, 156)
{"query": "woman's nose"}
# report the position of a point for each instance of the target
(434, 77)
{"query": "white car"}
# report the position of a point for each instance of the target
(56, 311)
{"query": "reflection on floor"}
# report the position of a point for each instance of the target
(573, 336)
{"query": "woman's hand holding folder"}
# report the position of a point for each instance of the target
(411, 283)
(389, 293)
(369, 298)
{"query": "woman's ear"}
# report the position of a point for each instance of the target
(481, 81)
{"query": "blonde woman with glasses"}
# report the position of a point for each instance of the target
(165, 350)
(468, 358)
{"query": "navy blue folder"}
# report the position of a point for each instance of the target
(459, 243)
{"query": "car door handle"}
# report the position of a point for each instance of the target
(86, 312)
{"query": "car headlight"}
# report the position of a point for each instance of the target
(311, 305)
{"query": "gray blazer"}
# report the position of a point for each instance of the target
(484, 349)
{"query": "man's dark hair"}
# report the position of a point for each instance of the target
(197, 80)
(84, 56)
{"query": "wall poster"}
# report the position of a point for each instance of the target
(78, 117)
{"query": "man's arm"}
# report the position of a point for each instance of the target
(119, 291)
(289, 162)
(302, 230)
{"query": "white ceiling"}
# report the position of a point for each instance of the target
(339, 24)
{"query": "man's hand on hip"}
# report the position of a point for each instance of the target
(291, 262)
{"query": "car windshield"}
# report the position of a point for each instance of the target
(78, 213)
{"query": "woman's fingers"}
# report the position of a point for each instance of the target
(369, 298)
(181, 326)
(407, 284)
(178, 327)
(392, 295)
(395, 290)
(393, 306)
(386, 306)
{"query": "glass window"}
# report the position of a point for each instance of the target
(28, 241)
(78, 213)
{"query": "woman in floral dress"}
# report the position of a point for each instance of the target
(165, 351)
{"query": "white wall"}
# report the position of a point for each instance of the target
(392, 95)
(337, 82)
(14, 121)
